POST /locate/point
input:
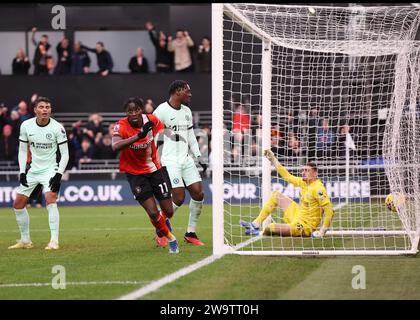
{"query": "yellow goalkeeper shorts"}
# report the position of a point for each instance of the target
(297, 226)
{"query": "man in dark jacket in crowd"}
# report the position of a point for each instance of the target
(105, 63)
(64, 57)
(41, 53)
(139, 63)
(164, 58)
(80, 61)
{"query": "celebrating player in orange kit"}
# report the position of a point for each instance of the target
(133, 136)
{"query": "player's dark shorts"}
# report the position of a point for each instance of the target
(148, 185)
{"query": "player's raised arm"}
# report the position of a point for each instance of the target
(119, 143)
(282, 171)
(160, 128)
(121, 138)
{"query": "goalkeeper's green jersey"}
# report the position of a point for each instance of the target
(180, 121)
(43, 143)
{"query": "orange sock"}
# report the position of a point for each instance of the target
(161, 227)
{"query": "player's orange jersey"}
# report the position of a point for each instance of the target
(141, 156)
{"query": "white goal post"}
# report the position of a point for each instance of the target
(338, 86)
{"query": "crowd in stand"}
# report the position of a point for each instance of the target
(324, 140)
(88, 140)
(10, 121)
(178, 54)
(317, 137)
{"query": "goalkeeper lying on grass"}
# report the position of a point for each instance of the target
(300, 220)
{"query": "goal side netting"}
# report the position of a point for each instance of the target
(338, 86)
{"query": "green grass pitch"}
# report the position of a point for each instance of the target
(109, 251)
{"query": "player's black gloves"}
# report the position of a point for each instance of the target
(22, 180)
(145, 129)
(203, 165)
(55, 182)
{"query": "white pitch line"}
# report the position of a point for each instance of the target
(153, 286)
(81, 283)
(169, 278)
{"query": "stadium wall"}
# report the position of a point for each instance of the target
(121, 28)
(167, 17)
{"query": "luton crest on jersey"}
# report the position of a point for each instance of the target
(138, 190)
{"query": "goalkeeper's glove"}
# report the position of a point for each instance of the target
(145, 129)
(22, 180)
(55, 182)
(320, 233)
(271, 157)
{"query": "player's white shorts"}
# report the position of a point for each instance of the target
(182, 172)
(34, 179)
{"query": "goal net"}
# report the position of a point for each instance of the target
(338, 86)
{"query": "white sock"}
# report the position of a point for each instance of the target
(54, 221)
(22, 219)
(195, 212)
(256, 224)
